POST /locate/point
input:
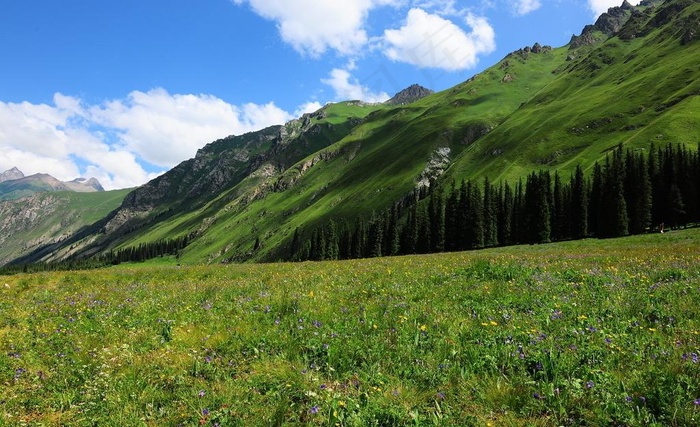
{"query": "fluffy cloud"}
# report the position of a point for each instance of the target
(523, 7)
(314, 26)
(430, 41)
(118, 142)
(309, 107)
(53, 139)
(600, 6)
(348, 88)
(164, 129)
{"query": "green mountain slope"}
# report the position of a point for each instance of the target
(630, 79)
(633, 92)
(50, 218)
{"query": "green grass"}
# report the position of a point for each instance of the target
(593, 332)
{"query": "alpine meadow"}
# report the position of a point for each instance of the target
(518, 250)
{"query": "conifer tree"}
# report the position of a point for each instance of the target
(490, 214)
(579, 205)
(436, 219)
(505, 214)
(537, 208)
(474, 215)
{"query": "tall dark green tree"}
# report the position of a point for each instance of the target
(614, 219)
(578, 211)
(537, 208)
(505, 214)
(436, 219)
(490, 214)
(637, 193)
(474, 214)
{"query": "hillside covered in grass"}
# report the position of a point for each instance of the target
(629, 81)
(578, 333)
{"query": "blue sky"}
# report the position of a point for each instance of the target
(123, 91)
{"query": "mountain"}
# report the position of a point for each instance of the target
(11, 174)
(50, 218)
(14, 185)
(631, 80)
(408, 95)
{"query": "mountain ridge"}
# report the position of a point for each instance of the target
(15, 185)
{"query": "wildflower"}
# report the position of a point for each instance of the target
(201, 393)
(205, 412)
(323, 386)
(696, 402)
(440, 395)
(537, 396)
(590, 384)
(423, 328)
(628, 399)
(313, 410)
(19, 372)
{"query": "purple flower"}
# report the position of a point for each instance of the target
(590, 384)
(313, 410)
(537, 396)
(201, 393)
(696, 402)
(205, 412)
(628, 399)
(323, 387)
(440, 395)
(19, 372)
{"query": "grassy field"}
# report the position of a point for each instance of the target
(594, 332)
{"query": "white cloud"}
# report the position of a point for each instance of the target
(348, 88)
(46, 139)
(164, 129)
(309, 107)
(523, 7)
(115, 140)
(430, 41)
(314, 26)
(600, 6)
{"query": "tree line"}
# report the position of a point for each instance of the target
(631, 192)
(139, 253)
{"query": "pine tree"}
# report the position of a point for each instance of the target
(594, 200)
(579, 205)
(474, 215)
(559, 218)
(505, 214)
(436, 220)
(490, 214)
(615, 222)
(452, 219)
(637, 193)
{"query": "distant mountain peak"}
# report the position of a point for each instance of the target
(11, 174)
(84, 185)
(410, 94)
(14, 184)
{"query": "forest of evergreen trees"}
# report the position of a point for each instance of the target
(631, 193)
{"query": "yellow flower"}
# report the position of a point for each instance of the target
(423, 328)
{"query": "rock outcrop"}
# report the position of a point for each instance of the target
(410, 94)
(11, 174)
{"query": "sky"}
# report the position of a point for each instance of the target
(124, 91)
